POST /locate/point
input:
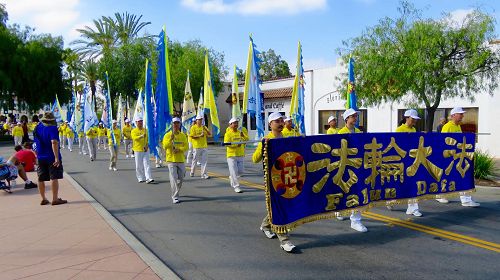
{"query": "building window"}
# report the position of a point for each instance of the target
(325, 114)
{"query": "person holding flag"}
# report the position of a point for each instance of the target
(114, 137)
(127, 139)
(102, 133)
(70, 136)
(235, 152)
(332, 122)
(62, 134)
(175, 144)
(289, 130)
(140, 147)
(198, 134)
(91, 136)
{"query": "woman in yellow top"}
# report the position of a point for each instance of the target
(175, 144)
(235, 153)
(113, 148)
(288, 130)
(18, 133)
(70, 136)
(62, 134)
(92, 142)
(102, 135)
(453, 126)
(350, 117)
(332, 122)
(127, 139)
(140, 148)
(198, 134)
(81, 143)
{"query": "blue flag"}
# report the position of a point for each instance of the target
(163, 97)
(253, 101)
(149, 119)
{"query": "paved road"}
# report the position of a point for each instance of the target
(213, 233)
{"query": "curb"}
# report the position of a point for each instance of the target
(162, 270)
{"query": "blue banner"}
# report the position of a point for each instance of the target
(319, 177)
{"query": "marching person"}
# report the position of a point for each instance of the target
(190, 155)
(127, 139)
(332, 122)
(81, 143)
(70, 137)
(289, 130)
(235, 153)
(102, 134)
(140, 147)
(113, 149)
(411, 118)
(92, 142)
(18, 133)
(198, 134)
(175, 144)
(62, 133)
(350, 117)
(276, 123)
(456, 116)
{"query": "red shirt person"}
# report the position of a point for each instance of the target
(26, 156)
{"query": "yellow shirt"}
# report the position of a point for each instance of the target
(17, 131)
(31, 126)
(92, 133)
(102, 131)
(180, 142)
(6, 126)
(257, 155)
(62, 129)
(200, 142)
(451, 127)
(289, 132)
(405, 128)
(118, 137)
(80, 134)
(139, 139)
(332, 130)
(235, 150)
(68, 132)
(126, 132)
(345, 130)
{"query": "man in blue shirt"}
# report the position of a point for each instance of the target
(49, 158)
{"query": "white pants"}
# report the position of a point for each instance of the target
(81, 144)
(142, 168)
(103, 140)
(234, 164)
(70, 143)
(412, 207)
(161, 154)
(18, 140)
(128, 146)
(190, 153)
(200, 155)
(63, 141)
(92, 143)
(176, 171)
(113, 155)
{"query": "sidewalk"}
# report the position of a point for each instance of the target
(70, 241)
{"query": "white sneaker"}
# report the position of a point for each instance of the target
(442, 200)
(126, 156)
(198, 164)
(205, 176)
(269, 234)
(358, 226)
(175, 201)
(415, 213)
(149, 181)
(158, 165)
(390, 207)
(191, 174)
(114, 169)
(237, 190)
(471, 204)
(110, 168)
(132, 156)
(70, 151)
(84, 153)
(340, 218)
(287, 246)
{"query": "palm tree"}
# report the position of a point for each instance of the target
(95, 42)
(126, 27)
(73, 66)
(90, 72)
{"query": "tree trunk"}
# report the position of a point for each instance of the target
(429, 121)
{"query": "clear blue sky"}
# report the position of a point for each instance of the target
(320, 25)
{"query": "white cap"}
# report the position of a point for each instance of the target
(100, 123)
(288, 119)
(274, 116)
(199, 117)
(331, 118)
(139, 119)
(127, 120)
(232, 120)
(176, 119)
(412, 114)
(115, 121)
(457, 110)
(19, 123)
(349, 112)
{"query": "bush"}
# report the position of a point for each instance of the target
(484, 165)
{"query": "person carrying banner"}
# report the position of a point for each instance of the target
(350, 117)
(276, 123)
(70, 137)
(411, 118)
(127, 139)
(92, 142)
(140, 147)
(235, 153)
(62, 134)
(113, 149)
(289, 130)
(81, 143)
(102, 134)
(198, 134)
(175, 144)
(18, 133)
(332, 122)
(453, 126)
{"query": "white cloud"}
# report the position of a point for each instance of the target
(254, 7)
(456, 18)
(48, 16)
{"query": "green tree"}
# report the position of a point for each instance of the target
(95, 40)
(4, 16)
(91, 73)
(273, 66)
(73, 66)
(423, 61)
